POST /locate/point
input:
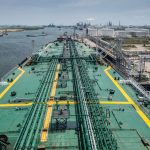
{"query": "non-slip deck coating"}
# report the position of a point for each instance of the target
(128, 119)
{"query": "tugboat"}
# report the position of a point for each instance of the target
(1, 34)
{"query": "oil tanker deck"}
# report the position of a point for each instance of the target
(63, 97)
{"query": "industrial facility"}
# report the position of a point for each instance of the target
(112, 32)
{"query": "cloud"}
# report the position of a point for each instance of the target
(71, 11)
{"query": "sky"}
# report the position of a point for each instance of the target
(69, 12)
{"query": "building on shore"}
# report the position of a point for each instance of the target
(105, 32)
(110, 32)
(122, 34)
(132, 32)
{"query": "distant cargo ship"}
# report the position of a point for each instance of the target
(30, 35)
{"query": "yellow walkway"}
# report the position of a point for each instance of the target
(128, 98)
(63, 103)
(114, 103)
(16, 105)
(44, 133)
(12, 83)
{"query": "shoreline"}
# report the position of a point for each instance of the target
(11, 30)
(4, 30)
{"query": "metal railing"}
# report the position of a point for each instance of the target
(139, 88)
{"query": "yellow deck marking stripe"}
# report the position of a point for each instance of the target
(55, 81)
(48, 117)
(12, 83)
(100, 102)
(16, 105)
(114, 102)
(63, 103)
(44, 133)
(128, 98)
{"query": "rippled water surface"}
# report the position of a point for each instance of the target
(16, 45)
